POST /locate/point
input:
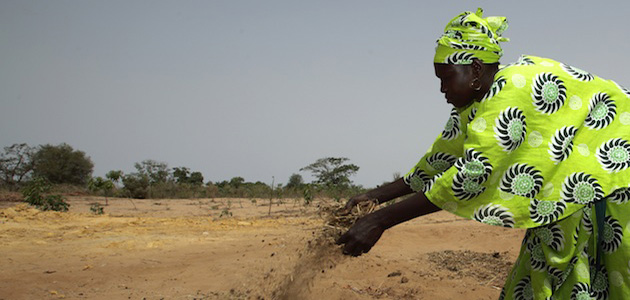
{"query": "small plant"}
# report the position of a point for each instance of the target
(96, 208)
(35, 194)
(225, 213)
(308, 196)
(226, 210)
(97, 184)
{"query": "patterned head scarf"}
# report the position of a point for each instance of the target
(469, 36)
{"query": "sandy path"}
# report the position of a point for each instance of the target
(182, 249)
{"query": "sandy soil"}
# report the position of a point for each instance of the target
(194, 249)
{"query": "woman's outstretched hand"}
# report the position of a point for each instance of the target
(361, 236)
(354, 201)
(368, 230)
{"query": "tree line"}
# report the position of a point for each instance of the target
(62, 166)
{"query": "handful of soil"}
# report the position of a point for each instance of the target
(322, 253)
(338, 220)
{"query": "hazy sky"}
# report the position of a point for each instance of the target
(261, 88)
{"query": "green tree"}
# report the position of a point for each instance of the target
(332, 171)
(136, 185)
(98, 184)
(295, 181)
(62, 164)
(181, 174)
(196, 178)
(155, 171)
(16, 164)
(236, 182)
(114, 175)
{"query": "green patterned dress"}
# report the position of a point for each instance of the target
(544, 144)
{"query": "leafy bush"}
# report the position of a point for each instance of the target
(35, 193)
(62, 164)
(136, 186)
(96, 208)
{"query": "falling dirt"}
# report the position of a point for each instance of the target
(321, 252)
(190, 249)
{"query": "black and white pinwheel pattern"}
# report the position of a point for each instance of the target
(580, 291)
(620, 196)
(522, 179)
(602, 111)
(523, 290)
(537, 255)
(587, 221)
(623, 90)
(495, 88)
(459, 58)
(452, 128)
(545, 212)
(613, 233)
(472, 171)
(551, 235)
(548, 93)
(581, 188)
(614, 155)
(465, 46)
(599, 288)
(473, 113)
(561, 144)
(577, 73)
(418, 181)
(441, 161)
(524, 61)
(494, 214)
(510, 128)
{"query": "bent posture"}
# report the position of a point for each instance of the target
(535, 144)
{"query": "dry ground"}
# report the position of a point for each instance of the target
(184, 249)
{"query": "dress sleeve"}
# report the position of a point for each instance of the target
(442, 154)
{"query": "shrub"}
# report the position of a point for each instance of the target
(136, 186)
(35, 193)
(96, 208)
(62, 164)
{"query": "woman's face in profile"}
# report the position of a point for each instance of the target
(455, 83)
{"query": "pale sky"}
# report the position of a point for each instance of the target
(261, 88)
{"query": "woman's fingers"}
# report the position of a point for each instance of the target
(343, 239)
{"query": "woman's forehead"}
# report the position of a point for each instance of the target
(441, 69)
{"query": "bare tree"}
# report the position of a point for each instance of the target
(16, 164)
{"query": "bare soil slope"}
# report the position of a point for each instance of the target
(185, 249)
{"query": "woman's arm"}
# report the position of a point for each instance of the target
(382, 194)
(368, 230)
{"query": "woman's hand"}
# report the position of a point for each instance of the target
(361, 236)
(354, 201)
(368, 230)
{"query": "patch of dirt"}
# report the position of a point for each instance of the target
(7, 197)
(488, 268)
(188, 249)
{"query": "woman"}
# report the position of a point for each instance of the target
(536, 144)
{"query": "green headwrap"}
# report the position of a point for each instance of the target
(469, 36)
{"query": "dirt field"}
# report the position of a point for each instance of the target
(184, 249)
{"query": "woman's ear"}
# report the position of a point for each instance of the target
(477, 68)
